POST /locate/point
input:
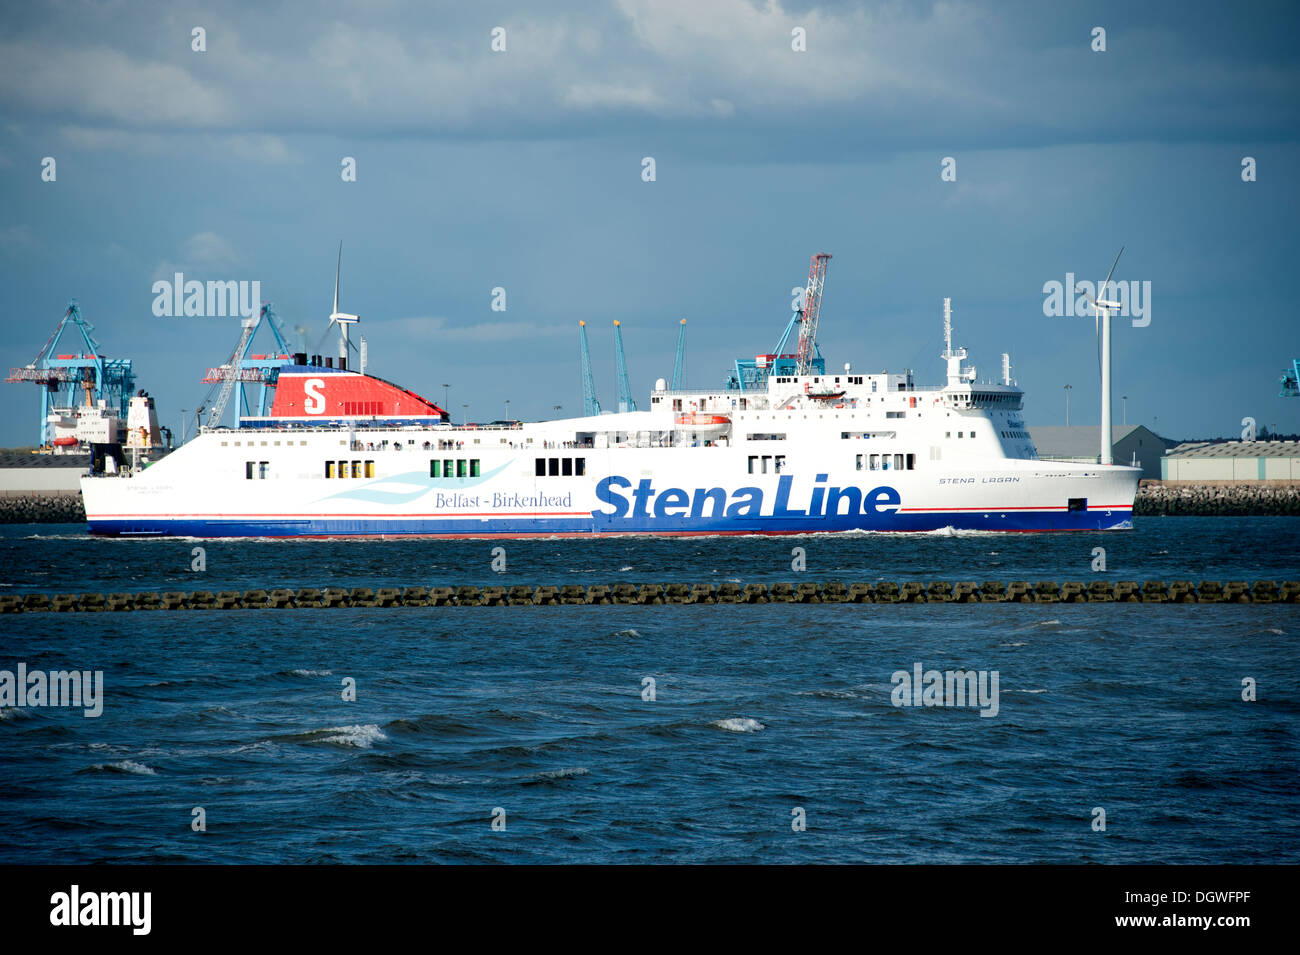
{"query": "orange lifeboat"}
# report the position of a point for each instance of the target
(67, 442)
(704, 422)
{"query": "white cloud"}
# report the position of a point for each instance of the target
(893, 73)
(258, 147)
(203, 256)
(106, 84)
(209, 250)
(608, 95)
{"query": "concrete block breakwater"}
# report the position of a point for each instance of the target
(809, 592)
(1213, 500)
(42, 507)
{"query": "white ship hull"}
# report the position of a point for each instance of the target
(203, 490)
(773, 452)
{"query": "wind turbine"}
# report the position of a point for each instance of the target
(1101, 312)
(342, 319)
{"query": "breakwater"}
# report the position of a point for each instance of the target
(1216, 500)
(523, 595)
(41, 507)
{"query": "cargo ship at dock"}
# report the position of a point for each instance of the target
(782, 446)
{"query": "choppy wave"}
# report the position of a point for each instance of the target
(128, 766)
(567, 773)
(739, 725)
(358, 735)
(310, 673)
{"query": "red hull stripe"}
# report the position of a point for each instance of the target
(986, 510)
(327, 517)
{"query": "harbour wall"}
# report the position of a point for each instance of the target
(1215, 500)
(41, 507)
(524, 595)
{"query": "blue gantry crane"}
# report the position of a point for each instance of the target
(245, 369)
(69, 379)
(625, 400)
(1291, 381)
(590, 403)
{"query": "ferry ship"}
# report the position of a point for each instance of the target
(783, 446)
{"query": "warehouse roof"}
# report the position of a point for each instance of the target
(21, 458)
(1237, 449)
(1076, 441)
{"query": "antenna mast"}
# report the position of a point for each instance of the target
(679, 366)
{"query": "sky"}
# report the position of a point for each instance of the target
(972, 150)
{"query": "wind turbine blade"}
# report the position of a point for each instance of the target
(1101, 289)
(337, 268)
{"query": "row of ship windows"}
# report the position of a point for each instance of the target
(1015, 434)
(960, 434)
(276, 443)
(349, 469)
(447, 467)
(766, 463)
(560, 467)
(454, 467)
(851, 379)
(886, 462)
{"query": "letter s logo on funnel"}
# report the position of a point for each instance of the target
(315, 401)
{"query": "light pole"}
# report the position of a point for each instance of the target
(507, 409)
(1124, 413)
(466, 407)
(1067, 404)
(184, 412)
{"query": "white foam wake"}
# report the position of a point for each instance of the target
(127, 766)
(362, 736)
(739, 725)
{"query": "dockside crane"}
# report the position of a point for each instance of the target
(1291, 381)
(590, 404)
(625, 400)
(244, 369)
(679, 365)
(752, 373)
(811, 311)
(71, 379)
